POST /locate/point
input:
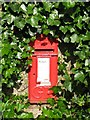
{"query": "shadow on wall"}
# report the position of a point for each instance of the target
(7, 90)
(70, 47)
(66, 57)
(81, 88)
(20, 86)
(67, 60)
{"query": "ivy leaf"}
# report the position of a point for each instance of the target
(39, 16)
(10, 18)
(56, 89)
(33, 38)
(27, 40)
(56, 4)
(57, 22)
(71, 29)
(47, 112)
(24, 54)
(88, 33)
(67, 77)
(62, 66)
(67, 53)
(5, 49)
(51, 101)
(29, 62)
(86, 19)
(46, 31)
(28, 20)
(30, 8)
(66, 40)
(87, 62)
(82, 55)
(74, 38)
(68, 85)
(9, 72)
(79, 24)
(87, 36)
(19, 22)
(15, 7)
(23, 8)
(61, 104)
(34, 21)
(79, 76)
(52, 22)
(63, 29)
(47, 6)
(44, 26)
(35, 11)
(19, 107)
(54, 14)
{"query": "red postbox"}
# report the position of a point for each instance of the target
(43, 73)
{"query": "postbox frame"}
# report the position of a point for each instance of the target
(50, 52)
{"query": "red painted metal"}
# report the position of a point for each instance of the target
(44, 48)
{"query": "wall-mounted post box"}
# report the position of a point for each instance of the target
(43, 73)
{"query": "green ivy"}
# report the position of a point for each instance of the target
(14, 107)
(70, 23)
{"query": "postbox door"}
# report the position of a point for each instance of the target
(43, 76)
